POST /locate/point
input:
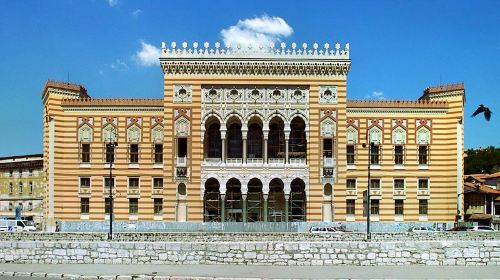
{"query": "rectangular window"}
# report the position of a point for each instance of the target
(399, 184)
(375, 154)
(158, 183)
(134, 153)
(351, 207)
(133, 206)
(85, 156)
(350, 155)
(11, 188)
(398, 154)
(30, 172)
(423, 207)
(375, 207)
(85, 182)
(11, 206)
(182, 147)
(30, 206)
(110, 153)
(107, 205)
(375, 184)
(158, 206)
(422, 155)
(107, 182)
(351, 184)
(31, 188)
(85, 205)
(133, 183)
(158, 153)
(423, 184)
(328, 147)
(20, 187)
(398, 207)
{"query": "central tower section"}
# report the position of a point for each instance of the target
(244, 127)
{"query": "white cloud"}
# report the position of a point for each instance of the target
(137, 12)
(119, 65)
(376, 95)
(256, 31)
(148, 55)
(112, 3)
(100, 72)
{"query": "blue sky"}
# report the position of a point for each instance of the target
(397, 47)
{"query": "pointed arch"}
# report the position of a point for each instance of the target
(109, 133)
(134, 134)
(423, 136)
(375, 135)
(399, 135)
(182, 127)
(352, 135)
(85, 133)
(157, 133)
(328, 127)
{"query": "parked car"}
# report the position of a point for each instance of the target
(342, 229)
(481, 228)
(322, 230)
(17, 225)
(422, 229)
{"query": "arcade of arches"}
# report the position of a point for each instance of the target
(255, 203)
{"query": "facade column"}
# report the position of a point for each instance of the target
(244, 150)
(287, 199)
(244, 200)
(266, 135)
(223, 140)
(286, 151)
(223, 207)
(265, 196)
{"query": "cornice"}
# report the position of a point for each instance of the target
(128, 109)
(397, 110)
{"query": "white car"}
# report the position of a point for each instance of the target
(481, 228)
(422, 229)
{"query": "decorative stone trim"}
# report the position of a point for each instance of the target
(328, 95)
(182, 94)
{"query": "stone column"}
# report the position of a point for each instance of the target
(222, 207)
(286, 151)
(223, 140)
(266, 135)
(265, 206)
(244, 201)
(244, 150)
(287, 199)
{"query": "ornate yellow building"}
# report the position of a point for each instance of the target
(253, 134)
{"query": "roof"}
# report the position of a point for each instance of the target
(444, 88)
(22, 156)
(65, 86)
(480, 188)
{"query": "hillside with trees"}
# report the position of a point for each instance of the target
(482, 160)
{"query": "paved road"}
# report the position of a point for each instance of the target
(273, 272)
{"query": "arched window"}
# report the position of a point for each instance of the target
(211, 201)
(213, 143)
(399, 136)
(157, 134)
(375, 135)
(276, 141)
(328, 128)
(85, 133)
(423, 136)
(134, 134)
(352, 135)
(254, 140)
(182, 127)
(234, 141)
(297, 202)
(298, 142)
(109, 133)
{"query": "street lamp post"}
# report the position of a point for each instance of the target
(368, 210)
(111, 146)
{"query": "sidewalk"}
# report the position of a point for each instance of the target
(250, 271)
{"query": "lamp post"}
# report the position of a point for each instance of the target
(111, 146)
(368, 210)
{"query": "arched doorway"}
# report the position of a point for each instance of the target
(276, 140)
(234, 139)
(254, 140)
(298, 142)
(211, 201)
(255, 210)
(234, 202)
(297, 201)
(276, 204)
(212, 142)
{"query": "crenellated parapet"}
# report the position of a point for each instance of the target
(113, 102)
(421, 103)
(63, 88)
(444, 88)
(251, 60)
(444, 92)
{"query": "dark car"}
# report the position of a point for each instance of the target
(459, 228)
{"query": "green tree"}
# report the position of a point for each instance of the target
(483, 160)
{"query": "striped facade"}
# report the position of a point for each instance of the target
(253, 136)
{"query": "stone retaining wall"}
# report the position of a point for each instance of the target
(304, 252)
(245, 237)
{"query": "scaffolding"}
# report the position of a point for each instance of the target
(297, 207)
(234, 204)
(212, 211)
(255, 210)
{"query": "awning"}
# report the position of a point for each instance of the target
(480, 216)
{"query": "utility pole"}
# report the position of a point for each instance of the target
(368, 210)
(111, 146)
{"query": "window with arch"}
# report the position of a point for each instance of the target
(157, 137)
(375, 140)
(423, 141)
(399, 140)
(109, 133)
(254, 141)
(234, 141)
(85, 138)
(328, 128)
(20, 187)
(352, 139)
(298, 141)
(276, 141)
(213, 141)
